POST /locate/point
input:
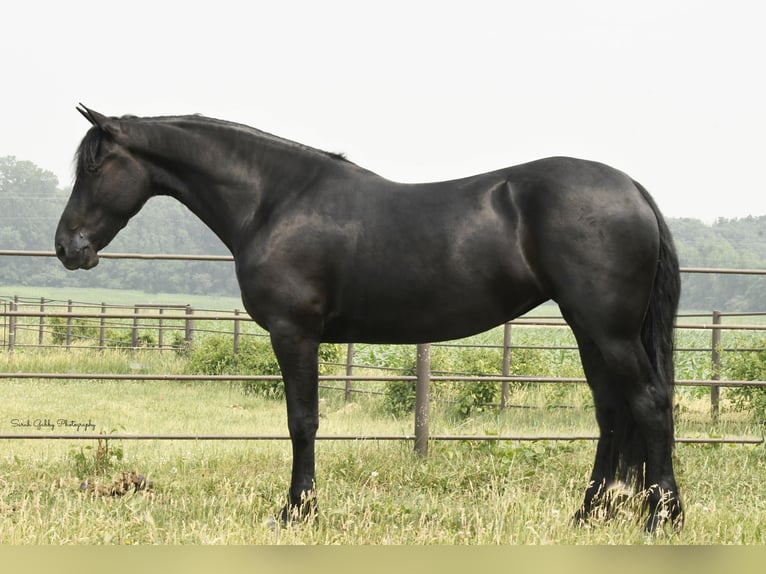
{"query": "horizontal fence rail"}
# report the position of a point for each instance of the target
(353, 378)
(232, 317)
(138, 256)
(386, 437)
(183, 320)
(187, 257)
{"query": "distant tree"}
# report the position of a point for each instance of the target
(727, 243)
(31, 203)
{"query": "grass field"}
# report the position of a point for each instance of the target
(370, 492)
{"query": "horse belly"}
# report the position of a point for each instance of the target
(432, 303)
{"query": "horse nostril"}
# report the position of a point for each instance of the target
(60, 250)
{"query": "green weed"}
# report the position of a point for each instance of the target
(89, 461)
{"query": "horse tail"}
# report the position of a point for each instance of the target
(657, 332)
(657, 337)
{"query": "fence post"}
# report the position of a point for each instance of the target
(715, 390)
(12, 327)
(102, 328)
(6, 319)
(134, 338)
(422, 398)
(69, 325)
(189, 328)
(161, 330)
(506, 365)
(42, 323)
(349, 369)
(237, 329)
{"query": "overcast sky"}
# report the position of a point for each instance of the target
(674, 93)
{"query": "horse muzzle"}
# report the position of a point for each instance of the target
(78, 253)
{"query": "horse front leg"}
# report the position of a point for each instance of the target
(297, 357)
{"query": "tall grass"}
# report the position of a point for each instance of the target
(370, 492)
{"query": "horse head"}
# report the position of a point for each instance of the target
(110, 187)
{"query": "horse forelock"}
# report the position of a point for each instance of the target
(86, 157)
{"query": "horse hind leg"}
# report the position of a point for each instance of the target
(645, 432)
(608, 414)
(634, 414)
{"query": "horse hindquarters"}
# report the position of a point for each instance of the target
(618, 287)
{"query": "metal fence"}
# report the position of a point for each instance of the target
(67, 324)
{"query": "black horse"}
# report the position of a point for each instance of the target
(328, 251)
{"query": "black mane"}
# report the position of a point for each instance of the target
(263, 135)
(86, 157)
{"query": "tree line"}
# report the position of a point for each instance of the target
(32, 202)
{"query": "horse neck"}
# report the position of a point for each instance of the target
(225, 174)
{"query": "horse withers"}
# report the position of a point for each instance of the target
(327, 251)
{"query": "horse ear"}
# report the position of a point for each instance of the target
(102, 122)
(85, 113)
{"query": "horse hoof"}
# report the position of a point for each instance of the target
(580, 519)
(299, 513)
(669, 511)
